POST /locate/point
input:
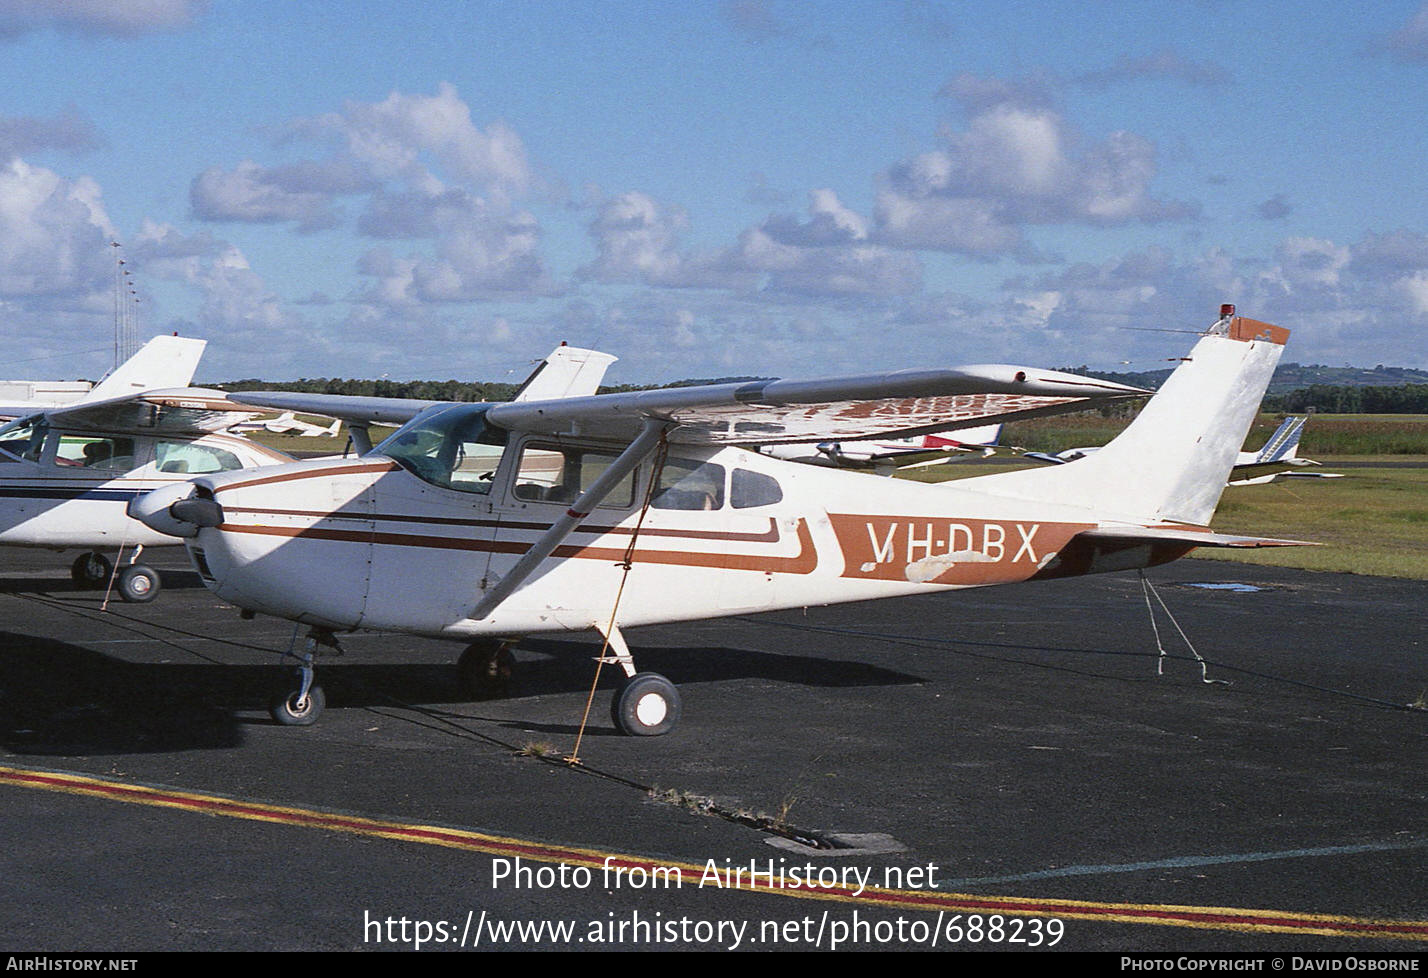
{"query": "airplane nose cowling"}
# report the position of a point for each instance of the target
(175, 510)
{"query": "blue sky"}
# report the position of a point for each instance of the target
(448, 189)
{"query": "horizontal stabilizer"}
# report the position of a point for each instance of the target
(1198, 538)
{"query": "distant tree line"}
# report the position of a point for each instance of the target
(435, 390)
(426, 390)
(1337, 399)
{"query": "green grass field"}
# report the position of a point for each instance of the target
(1372, 521)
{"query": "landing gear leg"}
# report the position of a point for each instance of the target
(646, 704)
(302, 706)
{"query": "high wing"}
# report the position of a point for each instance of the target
(179, 410)
(903, 402)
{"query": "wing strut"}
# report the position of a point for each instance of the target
(644, 444)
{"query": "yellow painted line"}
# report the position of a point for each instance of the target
(726, 878)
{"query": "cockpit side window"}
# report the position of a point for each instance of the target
(560, 473)
(451, 447)
(102, 453)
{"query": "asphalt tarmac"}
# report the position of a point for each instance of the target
(995, 770)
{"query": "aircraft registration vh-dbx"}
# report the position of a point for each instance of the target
(488, 522)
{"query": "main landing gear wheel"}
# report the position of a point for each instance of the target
(486, 668)
(138, 583)
(647, 705)
(90, 570)
(293, 709)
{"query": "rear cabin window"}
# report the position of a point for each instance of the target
(750, 489)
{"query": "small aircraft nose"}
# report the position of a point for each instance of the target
(176, 510)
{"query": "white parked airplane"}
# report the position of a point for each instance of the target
(1278, 458)
(484, 523)
(886, 455)
(286, 423)
(67, 473)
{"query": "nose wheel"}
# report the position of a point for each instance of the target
(138, 584)
(302, 706)
(298, 709)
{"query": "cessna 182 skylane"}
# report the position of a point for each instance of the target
(484, 523)
(67, 473)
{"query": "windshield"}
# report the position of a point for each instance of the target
(449, 446)
(24, 437)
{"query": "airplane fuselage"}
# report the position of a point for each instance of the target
(63, 489)
(371, 544)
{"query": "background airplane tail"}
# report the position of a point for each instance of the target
(1284, 443)
(161, 363)
(1172, 462)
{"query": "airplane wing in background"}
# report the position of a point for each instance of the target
(187, 410)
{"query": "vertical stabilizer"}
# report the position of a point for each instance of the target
(163, 362)
(1172, 462)
(1284, 443)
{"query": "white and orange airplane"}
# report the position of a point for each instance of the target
(483, 523)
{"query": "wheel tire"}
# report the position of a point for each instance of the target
(285, 708)
(647, 705)
(485, 669)
(138, 584)
(90, 570)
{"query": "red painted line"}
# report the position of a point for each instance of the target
(1209, 918)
